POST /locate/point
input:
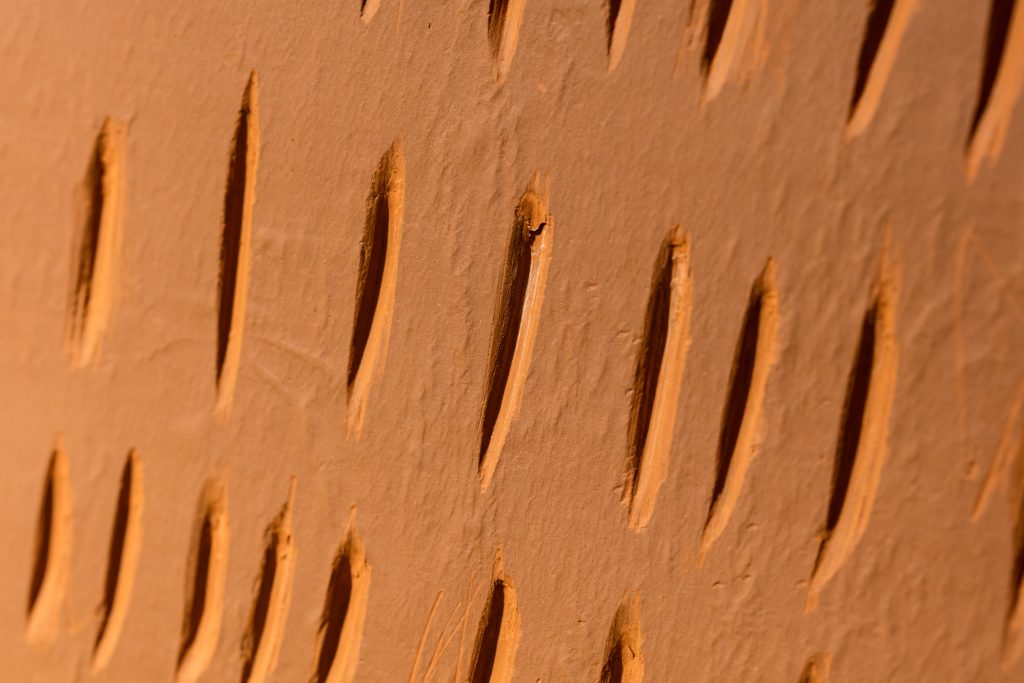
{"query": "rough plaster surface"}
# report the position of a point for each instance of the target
(755, 154)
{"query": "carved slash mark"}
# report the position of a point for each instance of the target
(376, 283)
(368, 9)
(1003, 460)
(731, 24)
(498, 636)
(718, 17)
(620, 19)
(504, 18)
(886, 25)
(818, 669)
(52, 563)
(270, 608)
(1013, 639)
(208, 560)
(624, 659)
(861, 450)
(1002, 80)
(658, 379)
(341, 622)
(235, 246)
(520, 297)
(741, 418)
(97, 247)
(122, 561)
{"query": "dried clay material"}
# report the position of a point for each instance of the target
(707, 313)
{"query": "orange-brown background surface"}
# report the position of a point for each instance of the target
(766, 167)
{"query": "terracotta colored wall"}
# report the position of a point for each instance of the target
(676, 341)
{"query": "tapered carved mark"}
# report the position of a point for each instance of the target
(263, 635)
(1003, 459)
(817, 669)
(741, 418)
(620, 19)
(122, 561)
(208, 560)
(235, 246)
(658, 379)
(1013, 638)
(498, 636)
(52, 562)
(718, 17)
(1002, 80)
(341, 622)
(731, 24)
(375, 287)
(503, 20)
(515, 321)
(623, 658)
(367, 9)
(861, 450)
(887, 23)
(98, 246)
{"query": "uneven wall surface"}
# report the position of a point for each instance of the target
(523, 340)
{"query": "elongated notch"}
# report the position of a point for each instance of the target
(623, 656)
(235, 246)
(658, 379)
(817, 669)
(375, 286)
(504, 18)
(861, 450)
(122, 561)
(497, 637)
(97, 246)
(1013, 638)
(208, 560)
(368, 9)
(731, 24)
(1003, 460)
(262, 639)
(1002, 79)
(341, 622)
(741, 418)
(52, 563)
(520, 298)
(620, 19)
(887, 23)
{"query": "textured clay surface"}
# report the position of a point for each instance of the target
(521, 340)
